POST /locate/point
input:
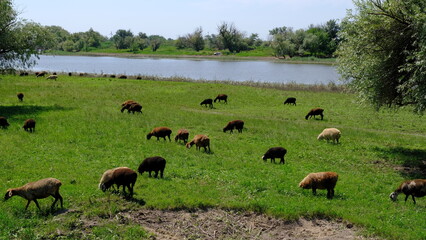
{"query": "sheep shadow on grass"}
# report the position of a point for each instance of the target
(411, 163)
(17, 111)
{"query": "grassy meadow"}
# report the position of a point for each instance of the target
(81, 132)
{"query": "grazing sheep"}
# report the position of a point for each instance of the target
(20, 96)
(238, 124)
(122, 77)
(206, 102)
(29, 124)
(40, 74)
(135, 107)
(139, 78)
(182, 134)
(121, 176)
(3, 122)
(275, 152)
(37, 190)
(155, 164)
(127, 104)
(54, 77)
(314, 112)
(320, 180)
(112, 76)
(221, 97)
(70, 74)
(160, 132)
(23, 74)
(330, 134)
(290, 100)
(415, 188)
(200, 141)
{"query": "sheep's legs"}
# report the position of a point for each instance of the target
(314, 191)
(156, 174)
(282, 160)
(57, 197)
(414, 200)
(161, 173)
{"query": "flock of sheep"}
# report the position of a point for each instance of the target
(126, 177)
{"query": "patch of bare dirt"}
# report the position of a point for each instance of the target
(221, 224)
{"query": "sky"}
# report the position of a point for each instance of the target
(174, 18)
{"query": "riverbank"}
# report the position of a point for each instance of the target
(221, 57)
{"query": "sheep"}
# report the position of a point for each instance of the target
(182, 134)
(3, 122)
(29, 124)
(238, 124)
(122, 77)
(155, 164)
(207, 101)
(415, 188)
(20, 96)
(200, 141)
(40, 74)
(112, 76)
(120, 176)
(160, 132)
(70, 74)
(221, 97)
(37, 190)
(127, 104)
(320, 180)
(314, 112)
(290, 100)
(54, 77)
(333, 134)
(135, 107)
(275, 152)
(139, 78)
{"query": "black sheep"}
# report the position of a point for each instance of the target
(314, 112)
(207, 101)
(29, 125)
(290, 100)
(275, 152)
(221, 97)
(3, 122)
(155, 164)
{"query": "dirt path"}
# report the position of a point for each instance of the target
(221, 224)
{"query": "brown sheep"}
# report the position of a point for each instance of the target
(40, 74)
(127, 104)
(208, 102)
(20, 96)
(200, 141)
(3, 122)
(29, 125)
(290, 100)
(275, 152)
(156, 164)
(182, 134)
(320, 180)
(160, 132)
(37, 190)
(121, 176)
(314, 112)
(237, 124)
(415, 188)
(135, 107)
(221, 97)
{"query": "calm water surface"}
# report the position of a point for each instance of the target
(257, 71)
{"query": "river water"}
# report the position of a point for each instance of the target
(197, 69)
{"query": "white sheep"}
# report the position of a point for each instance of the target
(330, 134)
(415, 188)
(37, 190)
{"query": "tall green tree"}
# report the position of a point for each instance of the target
(383, 52)
(122, 39)
(19, 40)
(231, 37)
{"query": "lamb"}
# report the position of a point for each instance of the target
(120, 176)
(29, 124)
(238, 124)
(3, 122)
(200, 141)
(320, 180)
(135, 107)
(221, 97)
(330, 134)
(37, 190)
(160, 132)
(20, 96)
(54, 77)
(314, 112)
(127, 104)
(207, 101)
(415, 188)
(182, 134)
(290, 100)
(155, 164)
(275, 152)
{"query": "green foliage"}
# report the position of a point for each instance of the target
(383, 52)
(81, 133)
(232, 39)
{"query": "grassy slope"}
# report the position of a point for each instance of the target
(81, 133)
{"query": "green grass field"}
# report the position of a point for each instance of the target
(81, 132)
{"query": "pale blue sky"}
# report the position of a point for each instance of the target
(174, 18)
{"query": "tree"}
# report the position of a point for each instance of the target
(383, 52)
(122, 39)
(155, 42)
(231, 37)
(196, 39)
(19, 40)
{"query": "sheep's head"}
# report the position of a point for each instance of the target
(189, 145)
(148, 136)
(306, 183)
(225, 129)
(264, 158)
(320, 137)
(393, 196)
(8, 194)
